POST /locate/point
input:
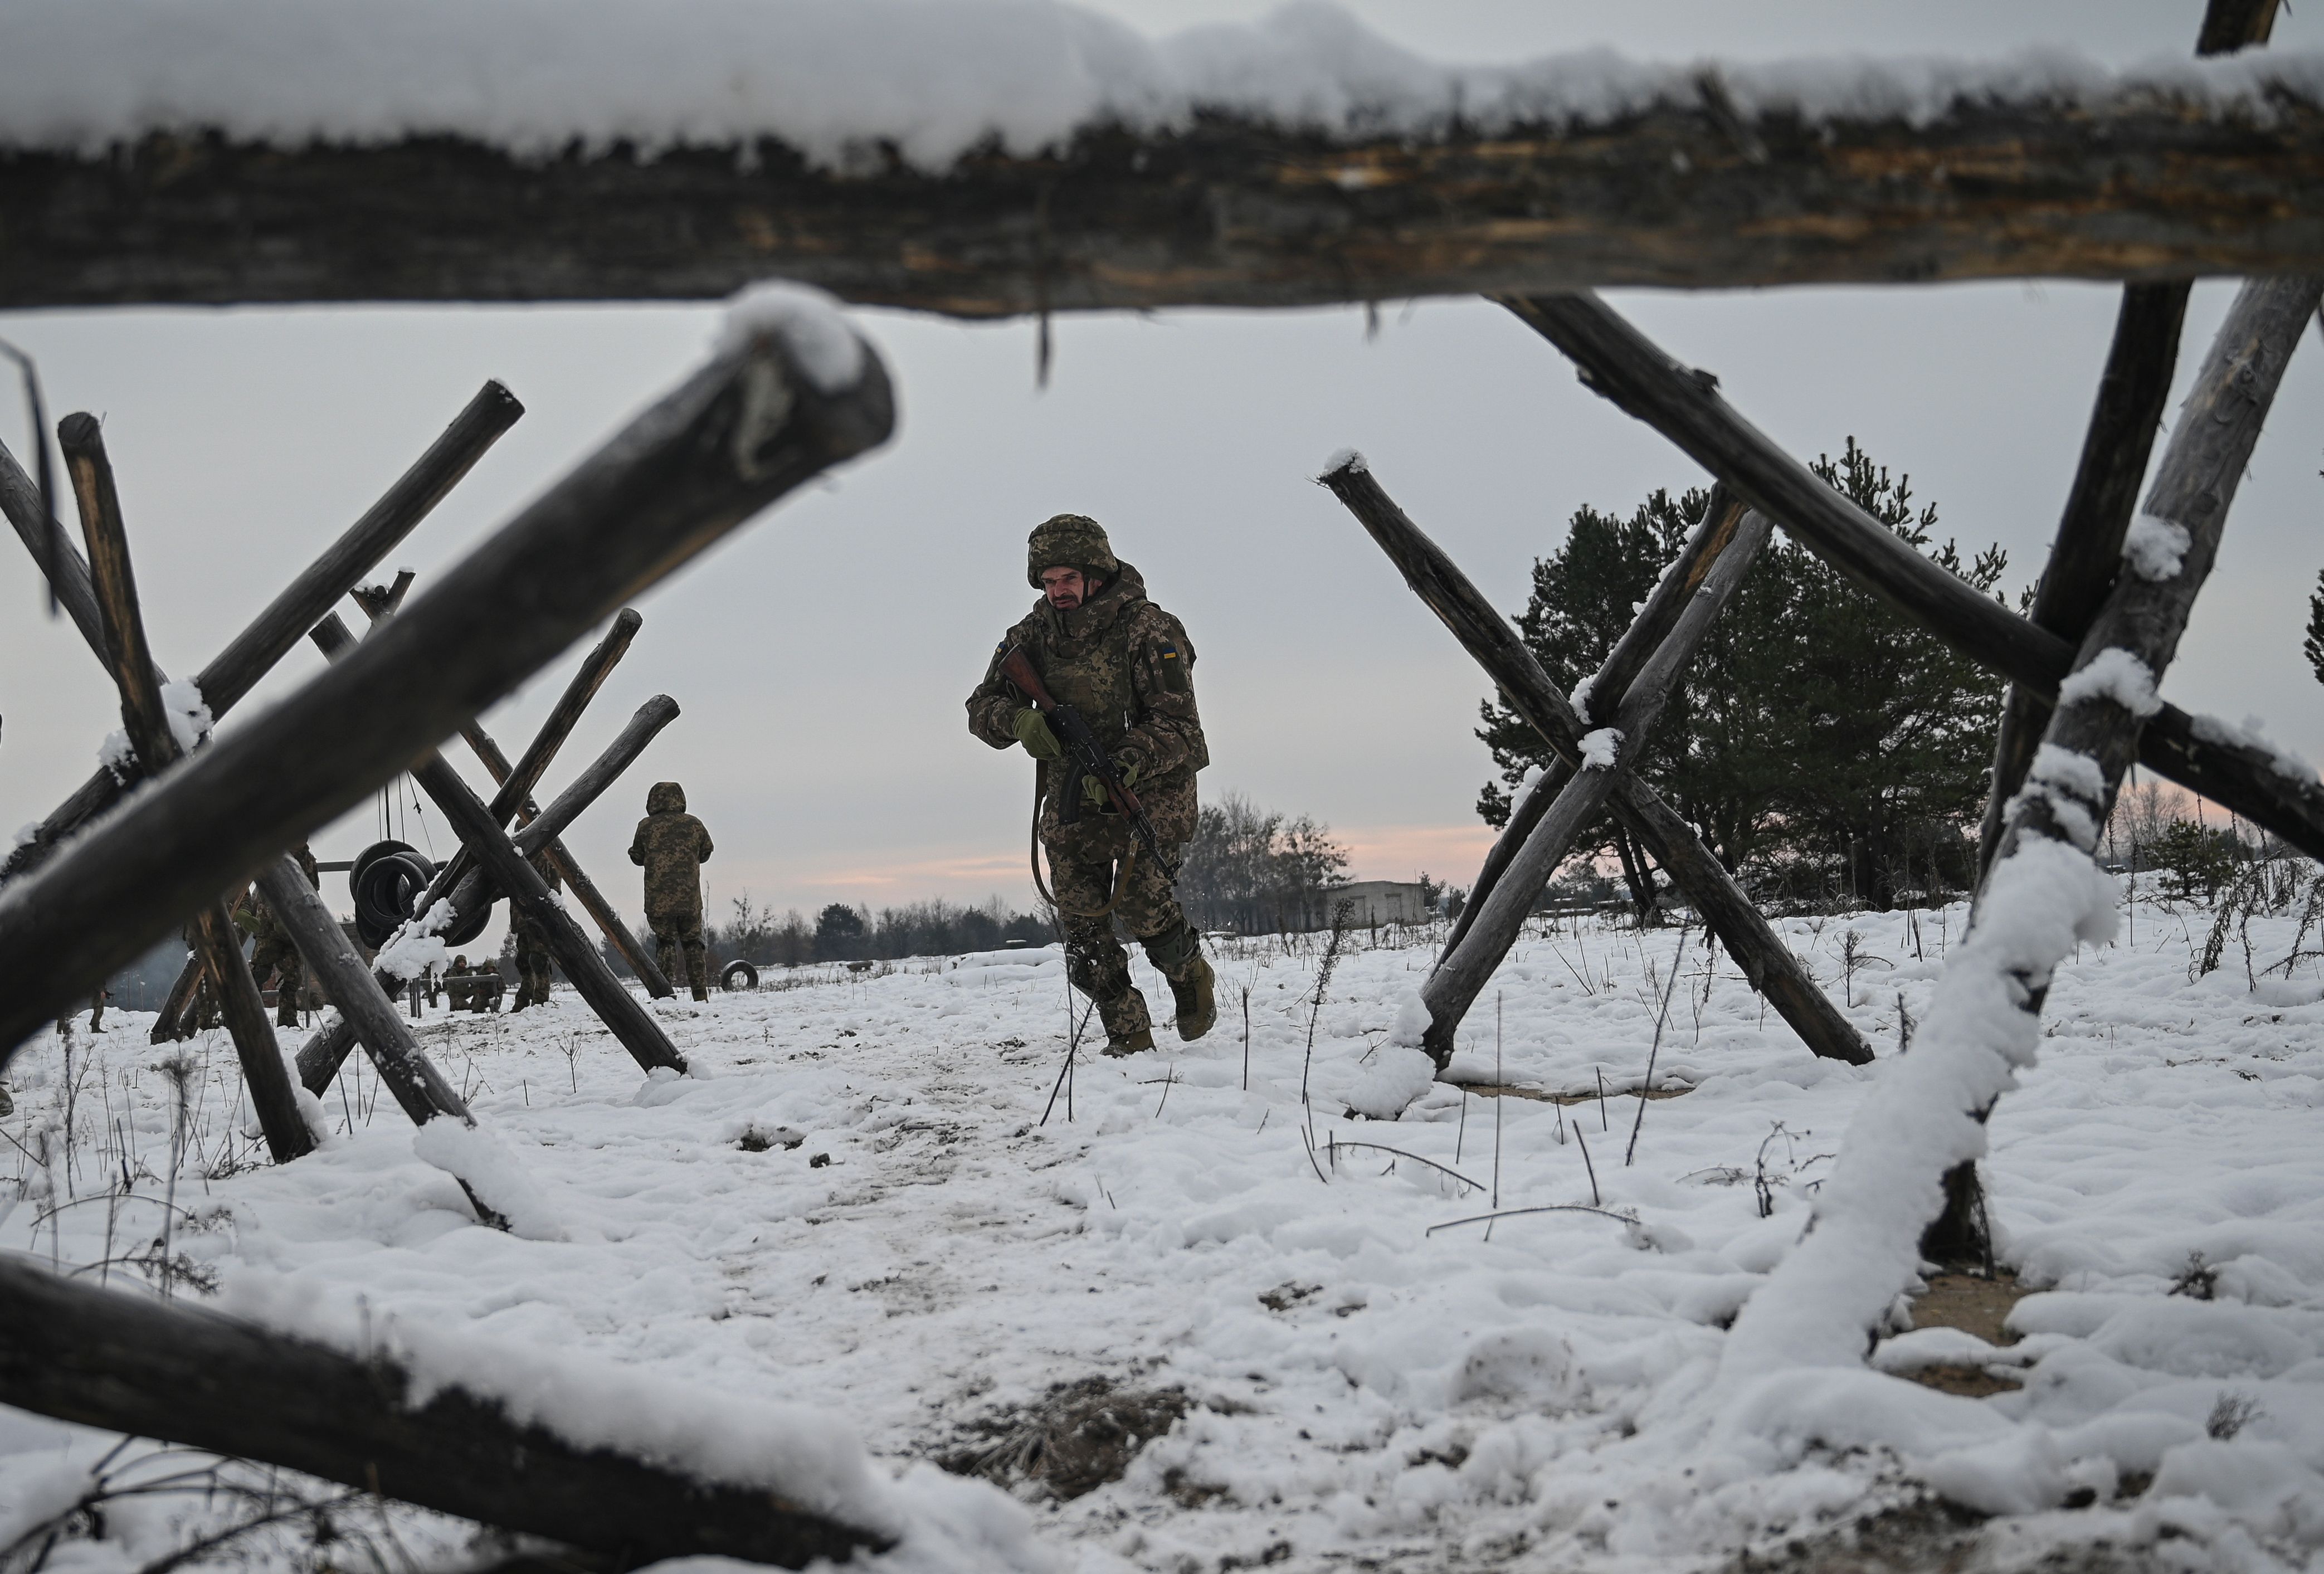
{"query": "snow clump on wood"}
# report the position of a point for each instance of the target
(2154, 548)
(2118, 675)
(808, 324)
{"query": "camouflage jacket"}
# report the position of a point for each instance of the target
(672, 847)
(1127, 666)
(255, 918)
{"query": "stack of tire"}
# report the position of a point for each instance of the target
(387, 881)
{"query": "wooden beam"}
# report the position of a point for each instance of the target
(1665, 601)
(1493, 643)
(1684, 404)
(113, 586)
(2141, 182)
(1454, 987)
(190, 1375)
(287, 618)
(2088, 548)
(748, 427)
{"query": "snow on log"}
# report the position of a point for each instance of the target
(747, 428)
(1925, 1121)
(984, 158)
(591, 1457)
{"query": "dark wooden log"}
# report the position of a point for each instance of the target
(337, 966)
(1664, 603)
(319, 1060)
(175, 1003)
(113, 582)
(2146, 182)
(1684, 404)
(747, 428)
(2120, 440)
(418, 1089)
(287, 618)
(514, 797)
(190, 1375)
(1493, 643)
(1454, 987)
(2217, 428)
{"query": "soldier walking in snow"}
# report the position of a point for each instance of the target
(534, 968)
(671, 846)
(1126, 665)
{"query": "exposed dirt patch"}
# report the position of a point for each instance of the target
(1976, 1305)
(1544, 1096)
(1074, 1440)
(1970, 1302)
(1934, 1537)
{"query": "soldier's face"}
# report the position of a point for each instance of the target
(1065, 587)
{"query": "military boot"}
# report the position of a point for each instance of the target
(1128, 1028)
(1197, 1001)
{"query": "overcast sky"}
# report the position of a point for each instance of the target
(821, 656)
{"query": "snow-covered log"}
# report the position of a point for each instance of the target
(1926, 1118)
(2087, 550)
(1493, 643)
(156, 746)
(790, 392)
(986, 159)
(286, 618)
(1458, 980)
(1684, 404)
(188, 1374)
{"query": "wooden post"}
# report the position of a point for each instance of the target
(188, 1375)
(2143, 617)
(1488, 638)
(114, 584)
(748, 427)
(2088, 547)
(285, 622)
(1669, 598)
(1684, 404)
(1453, 986)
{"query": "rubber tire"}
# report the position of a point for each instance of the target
(738, 969)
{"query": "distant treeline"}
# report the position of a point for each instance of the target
(840, 933)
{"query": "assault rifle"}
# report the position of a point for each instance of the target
(1081, 750)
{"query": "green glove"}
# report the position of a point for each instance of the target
(1032, 730)
(1094, 790)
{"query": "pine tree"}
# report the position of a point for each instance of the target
(1816, 735)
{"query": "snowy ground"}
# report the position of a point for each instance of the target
(905, 1243)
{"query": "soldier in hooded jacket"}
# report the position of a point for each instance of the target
(1127, 666)
(671, 846)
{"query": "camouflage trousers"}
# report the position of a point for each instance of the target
(534, 970)
(275, 954)
(675, 933)
(1082, 879)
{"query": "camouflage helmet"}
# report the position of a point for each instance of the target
(1069, 541)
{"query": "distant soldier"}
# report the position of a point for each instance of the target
(534, 969)
(1127, 666)
(96, 1009)
(273, 952)
(671, 846)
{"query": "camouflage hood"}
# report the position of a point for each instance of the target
(1124, 592)
(666, 797)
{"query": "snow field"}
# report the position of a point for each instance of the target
(1540, 1395)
